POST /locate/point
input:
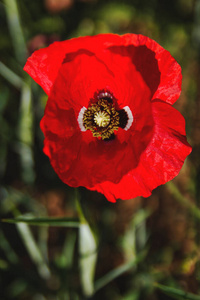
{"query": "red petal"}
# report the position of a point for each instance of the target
(83, 73)
(158, 68)
(159, 163)
(83, 154)
(136, 70)
(43, 65)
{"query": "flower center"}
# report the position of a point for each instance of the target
(102, 118)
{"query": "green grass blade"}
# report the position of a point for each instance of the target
(8, 250)
(45, 221)
(176, 293)
(192, 208)
(100, 283)
(65, 259)
(16, 31)
(9, 75)
(25, 133)
(33, 249)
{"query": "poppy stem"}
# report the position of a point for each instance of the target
(79, 207)
(87, 251)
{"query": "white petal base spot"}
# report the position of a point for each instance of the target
(130, 117)
(80, 118)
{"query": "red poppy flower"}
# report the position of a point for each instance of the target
(108, 123)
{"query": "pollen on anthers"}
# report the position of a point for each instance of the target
(102, 118)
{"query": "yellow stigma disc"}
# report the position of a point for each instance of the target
(102, 118)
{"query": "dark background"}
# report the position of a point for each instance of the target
(162, 232)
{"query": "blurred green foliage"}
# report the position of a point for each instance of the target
(139, 249)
